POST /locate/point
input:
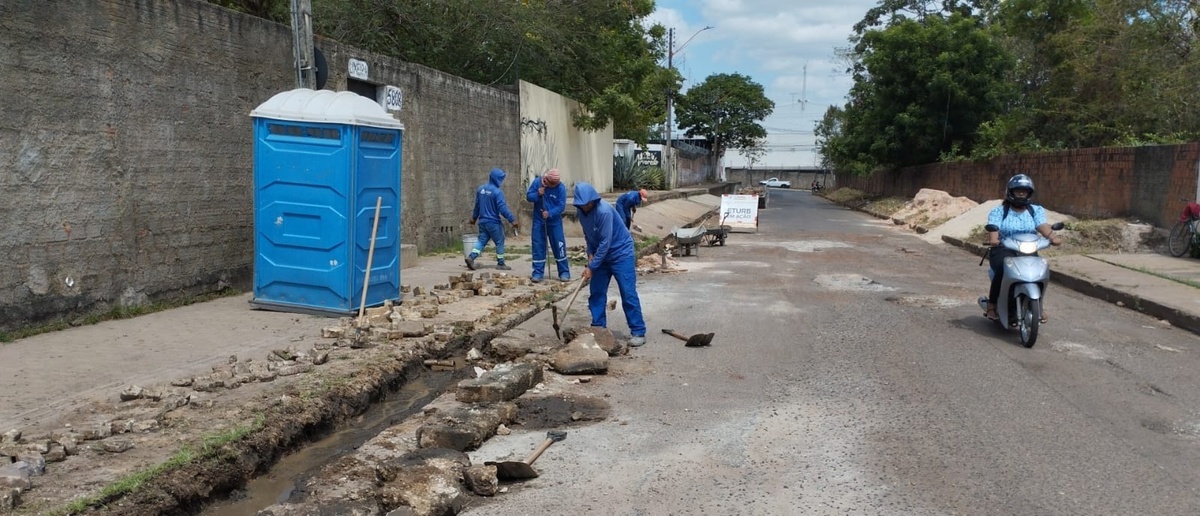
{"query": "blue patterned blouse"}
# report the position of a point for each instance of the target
(1017, 222)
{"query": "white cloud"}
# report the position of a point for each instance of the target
(771, 41)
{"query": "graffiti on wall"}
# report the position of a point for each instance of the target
(538, 150)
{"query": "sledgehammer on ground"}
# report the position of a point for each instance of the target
(698, 340)
(521, 470)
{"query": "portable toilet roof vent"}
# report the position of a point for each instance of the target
(325, 106)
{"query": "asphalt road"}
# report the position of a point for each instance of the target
(852, 373)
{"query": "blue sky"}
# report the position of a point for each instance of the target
(787, 46)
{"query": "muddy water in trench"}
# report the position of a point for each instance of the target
(280, 483)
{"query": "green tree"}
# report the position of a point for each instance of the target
(598, 52)
(922, 89)
(725, 109)
(755, 152)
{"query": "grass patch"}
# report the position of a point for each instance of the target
(887, 205)
(445, 250)
(115, 313)
(845, 195)
(1105, 234)
(1189, 283)
(210, 446)
(641, 243)
(1079, 237)
(859, 199)
(977, 235)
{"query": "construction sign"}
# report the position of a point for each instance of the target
(739, 211)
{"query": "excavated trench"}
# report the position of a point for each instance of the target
(280, 483)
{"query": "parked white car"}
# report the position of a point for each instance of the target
(774, 182)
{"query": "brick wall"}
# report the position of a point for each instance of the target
(126, 145)
(1144, 183)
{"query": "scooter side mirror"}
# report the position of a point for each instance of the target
(1057, 226)
(991, 227)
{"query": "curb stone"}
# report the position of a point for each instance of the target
(1082, 285)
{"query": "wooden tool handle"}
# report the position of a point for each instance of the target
(673, 334)
(573, 296)
(362, 306)
(538, 452)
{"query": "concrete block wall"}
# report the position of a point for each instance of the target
(126, 149)
(1137, 182)
(694, 169)
(549, 139)
(799, 178)
(455, 132)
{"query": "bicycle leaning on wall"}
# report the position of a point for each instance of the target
(1183, 237)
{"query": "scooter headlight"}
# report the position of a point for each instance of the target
(1027, 247)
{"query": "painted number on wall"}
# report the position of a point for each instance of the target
(393, 98)
(358, 69)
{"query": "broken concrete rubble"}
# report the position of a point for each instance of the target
(507, 347)
(465, 428)
(430, 487)
(282, 361)
(10, 437)
(481, 480)
(581, 356)
(16, 475)
(603, 336)
(505, 382)
(9, 498)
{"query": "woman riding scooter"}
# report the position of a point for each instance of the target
(1014, 216)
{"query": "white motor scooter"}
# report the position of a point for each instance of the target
(1022, 285)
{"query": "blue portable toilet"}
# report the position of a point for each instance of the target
(321, 160)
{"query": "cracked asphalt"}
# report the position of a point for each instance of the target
(852, 373)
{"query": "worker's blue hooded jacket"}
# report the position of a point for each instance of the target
(607, 239)
(489, 200)
(553, 201)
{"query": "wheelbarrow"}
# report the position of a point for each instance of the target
(689, 239)
(716, 236)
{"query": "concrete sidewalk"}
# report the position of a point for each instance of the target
(53, 374)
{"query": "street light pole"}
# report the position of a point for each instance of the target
(668, 162)
(669, 170)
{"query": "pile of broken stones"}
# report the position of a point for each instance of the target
(420, 466)
(485, 402)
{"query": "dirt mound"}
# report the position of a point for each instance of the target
(930, 208)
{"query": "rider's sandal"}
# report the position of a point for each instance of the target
(1045, 317)
(991, 313)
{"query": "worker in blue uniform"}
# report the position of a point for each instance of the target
(627, 205)
(610, 255)
(549, 198)
(489, 208)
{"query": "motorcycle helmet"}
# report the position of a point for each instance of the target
(1019, 182)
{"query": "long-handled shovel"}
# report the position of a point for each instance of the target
(698, 340)
(554, 309)
(362, 306)
(521, 470)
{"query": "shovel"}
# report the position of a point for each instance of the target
(698, 340)
(554, 309)
(521, 470)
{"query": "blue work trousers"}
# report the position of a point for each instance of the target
(493, 231)
(543, 230)
(625, 272)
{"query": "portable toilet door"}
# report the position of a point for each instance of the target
(377, 172)
(311, 189)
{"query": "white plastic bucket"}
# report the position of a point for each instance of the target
(469, 244)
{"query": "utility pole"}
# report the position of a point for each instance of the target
(669, 172)
(668, 153)
(302, 44)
